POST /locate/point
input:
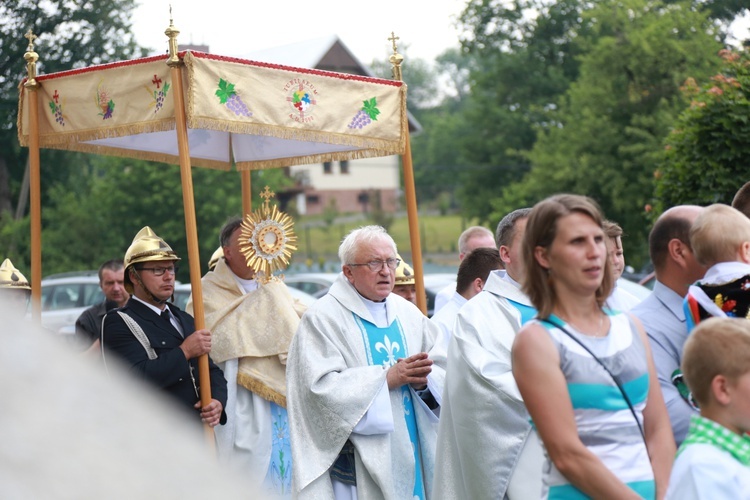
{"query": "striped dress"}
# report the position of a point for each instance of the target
(605, 424)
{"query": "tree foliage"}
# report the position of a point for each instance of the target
(525, 55)
(705, 157)
(601, 135)
(71, 35)
(96, 218)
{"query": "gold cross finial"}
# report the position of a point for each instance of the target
(393, 39)
(267, 194)
(31, 36)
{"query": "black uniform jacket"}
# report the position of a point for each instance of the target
(170, 370)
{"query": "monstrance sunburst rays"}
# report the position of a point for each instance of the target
(267, 239)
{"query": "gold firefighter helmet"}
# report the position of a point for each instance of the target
(218, 254)
(146, 247)
(404, 273)
(10, 277)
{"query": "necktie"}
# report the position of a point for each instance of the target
(165, 315)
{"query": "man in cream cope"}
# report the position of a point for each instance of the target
(360, 384)
(252, 324)
(486, 448)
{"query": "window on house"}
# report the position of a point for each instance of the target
(344, 166)
(327, 167)
(313, 199)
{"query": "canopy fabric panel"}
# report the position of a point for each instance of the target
(257, 115)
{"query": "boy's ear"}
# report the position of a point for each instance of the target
(720, 390)
(745, 252)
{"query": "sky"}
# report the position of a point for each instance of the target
(234, 28)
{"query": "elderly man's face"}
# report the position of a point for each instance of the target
(373, 285)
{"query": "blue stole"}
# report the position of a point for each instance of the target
(383, 347)
(527, 312)
(279, 476)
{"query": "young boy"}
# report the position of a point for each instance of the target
(720, 239)
(714, 460)
(619, 299)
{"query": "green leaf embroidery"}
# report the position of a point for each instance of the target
(370, 107)
(52, 106)
(226, 90)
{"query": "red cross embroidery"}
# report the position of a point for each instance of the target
(56, 97)
(156, 81)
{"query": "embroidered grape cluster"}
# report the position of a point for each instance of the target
(237, 106)
(57, 111)
(361, 119)
(160, 96)
(366, 115)
(228, 96)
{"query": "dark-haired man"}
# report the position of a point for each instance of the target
(89, 323)
(661, 312)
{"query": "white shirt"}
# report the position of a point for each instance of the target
(446, 317)
(621, 300)
(443, 297)
(705, 472)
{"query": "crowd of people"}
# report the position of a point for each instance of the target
(537, 377)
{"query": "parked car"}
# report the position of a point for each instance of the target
(182, 293)
(649, 280)
(315, 284)
(65, 296)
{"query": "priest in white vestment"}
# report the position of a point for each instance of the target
(361, 384)
(472, 275)
(252, 325)
(486, 446)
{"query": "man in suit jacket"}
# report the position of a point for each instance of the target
(157, 340)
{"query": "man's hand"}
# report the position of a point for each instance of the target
(197, 344)
(211, 413)
(412, 370)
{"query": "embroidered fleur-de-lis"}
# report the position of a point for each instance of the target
(406, 402)
(390, 349)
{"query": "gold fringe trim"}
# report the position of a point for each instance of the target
(141, 155)
(69, 138)
(261, 389)
(392, 146)
(404, 121)
(23, 140)
(189, 97)
(317, 158)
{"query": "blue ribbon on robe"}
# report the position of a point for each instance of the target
(384, 346)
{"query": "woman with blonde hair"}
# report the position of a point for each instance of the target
(586, 373)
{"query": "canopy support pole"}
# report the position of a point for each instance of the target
(247, 195)
(191, 227)
(410, 193)
(35, 208)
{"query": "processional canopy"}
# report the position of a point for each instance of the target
(257, 115)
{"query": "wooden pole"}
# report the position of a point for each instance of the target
(191, 227)
(413, 217)
(35, 208)
(247, 195)
(410, 193)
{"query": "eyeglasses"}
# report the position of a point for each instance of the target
(377, 265)
(159, 271)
